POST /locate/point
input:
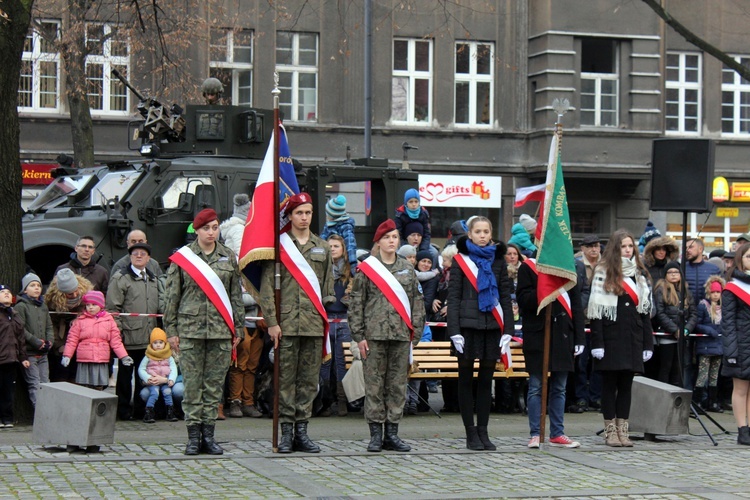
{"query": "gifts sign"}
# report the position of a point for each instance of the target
(459, 191)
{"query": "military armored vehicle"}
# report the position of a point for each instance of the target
(189, 160)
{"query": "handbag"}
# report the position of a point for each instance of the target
(354, 381)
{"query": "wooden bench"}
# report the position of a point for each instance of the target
(435, 362)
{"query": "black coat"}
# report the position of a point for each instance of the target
(463, 301)
(735, 332)
(566, 332)
(667, 317)
(624, 339)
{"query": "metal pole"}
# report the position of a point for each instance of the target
(277, 257)
(368, 78)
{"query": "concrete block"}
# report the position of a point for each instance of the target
(658, 408)
(69, 414)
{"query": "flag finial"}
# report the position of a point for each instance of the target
(275, 90)
(561, 106)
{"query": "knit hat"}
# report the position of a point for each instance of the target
(649, 233)
(383, 229)
(93, 297)
(716, 287)
(241, 205)
(424, 254)
(672, 264)
(413, 227)
(297, 200)
(28, 279)
(3, 287)
(407, 251)
(157, 334)
(409, 194)
(336, 207)
(66, 280)
(204, 217)
(528, 223)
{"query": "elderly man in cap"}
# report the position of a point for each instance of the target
(306, 287)
(134, 289)
(204, 321)
(135, 236)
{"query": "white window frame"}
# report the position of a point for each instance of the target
(107, 61)
(598, 78)
(682, 86)
(738, 89)
(235, 67)
(412, 75)
(296, 69)
(36, 57)
(473, 78)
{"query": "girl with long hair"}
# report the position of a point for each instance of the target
(339, 331)
(621, 335)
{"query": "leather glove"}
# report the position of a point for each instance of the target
(127, 361)
(65, 361)
(45, 347)
(647, 355)
(597, 353)
(578, 350)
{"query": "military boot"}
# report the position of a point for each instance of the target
(285, 444)
(208, 444)
(194, 439)
(485, 438)
(376, 437)
(391, 441)
(301, 441)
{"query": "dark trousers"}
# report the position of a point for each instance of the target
(616, 393)
(466, 400)
(124, 389)
(669, 366)
(8, 374)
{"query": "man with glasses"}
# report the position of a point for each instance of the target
(81, 263)
(136, 236)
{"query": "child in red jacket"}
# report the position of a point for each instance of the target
(91, 336)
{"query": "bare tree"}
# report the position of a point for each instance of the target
(14, 24)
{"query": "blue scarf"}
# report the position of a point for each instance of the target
(413, 214)
(37, 302)
(483, 257)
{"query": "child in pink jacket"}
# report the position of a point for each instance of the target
(91, 336)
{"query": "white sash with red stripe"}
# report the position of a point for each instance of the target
(208, 281)
(390, 287)
(740, 289)
(563, 298)
(471, 271)
(304, 275)
(629, 286)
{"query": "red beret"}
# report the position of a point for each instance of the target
(204, 217)
(297, 200)
(383, 229)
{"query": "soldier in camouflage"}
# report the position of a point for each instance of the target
(196, 330)
(298, 340)
(383, 339)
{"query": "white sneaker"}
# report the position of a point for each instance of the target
(533, 442)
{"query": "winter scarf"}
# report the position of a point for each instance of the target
(37, 302)
(338, 268)
(603, 304)
(483, 257)
(413, 214)
(333, 222)
(159, 355)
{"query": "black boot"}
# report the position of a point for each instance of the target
(148, 417)
(713, 400)
(208, 444)
(285, 444)
(376, 437)
(171, 417)
(472, 439)
(301, 441)
(194, 439)
(485, 438)
(391, 441)
(744, 435)
(698, 397)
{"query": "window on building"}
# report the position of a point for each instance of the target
(297, 65)
(108, 50)
(411, 83)
(600, 86)
(39, 83)
(474, 82)
(735, 100)
(683, 85)
(232, 63)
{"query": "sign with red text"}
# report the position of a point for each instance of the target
(37, 173)
(460, 190)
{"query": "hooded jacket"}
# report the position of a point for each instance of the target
(232, 230)
(710, 345)
(57, 302)
(656, 267)
(92, 337)
(37, 324)
(521, 238)
(12, 343)
(735, 332)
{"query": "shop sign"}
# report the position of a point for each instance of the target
(740, 191)
(460, 191)
(720, 190)
(727, 212)
(37, 174)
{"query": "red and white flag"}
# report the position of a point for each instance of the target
(529, 193)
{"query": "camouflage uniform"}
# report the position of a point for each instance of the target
(301, 343)
(387, 364)
(205, 339)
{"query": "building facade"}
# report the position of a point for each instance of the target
(470, 86)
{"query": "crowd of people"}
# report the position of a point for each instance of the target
(185, 342)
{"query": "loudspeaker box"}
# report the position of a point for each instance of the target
(682, 174)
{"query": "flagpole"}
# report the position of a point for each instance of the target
(277, 256)
(560, 108)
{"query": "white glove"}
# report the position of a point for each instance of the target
(597, 353)
(65, 361)
(505, 338)
(578, 350)
(127, 361)
(647, 355)
(458, 343)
